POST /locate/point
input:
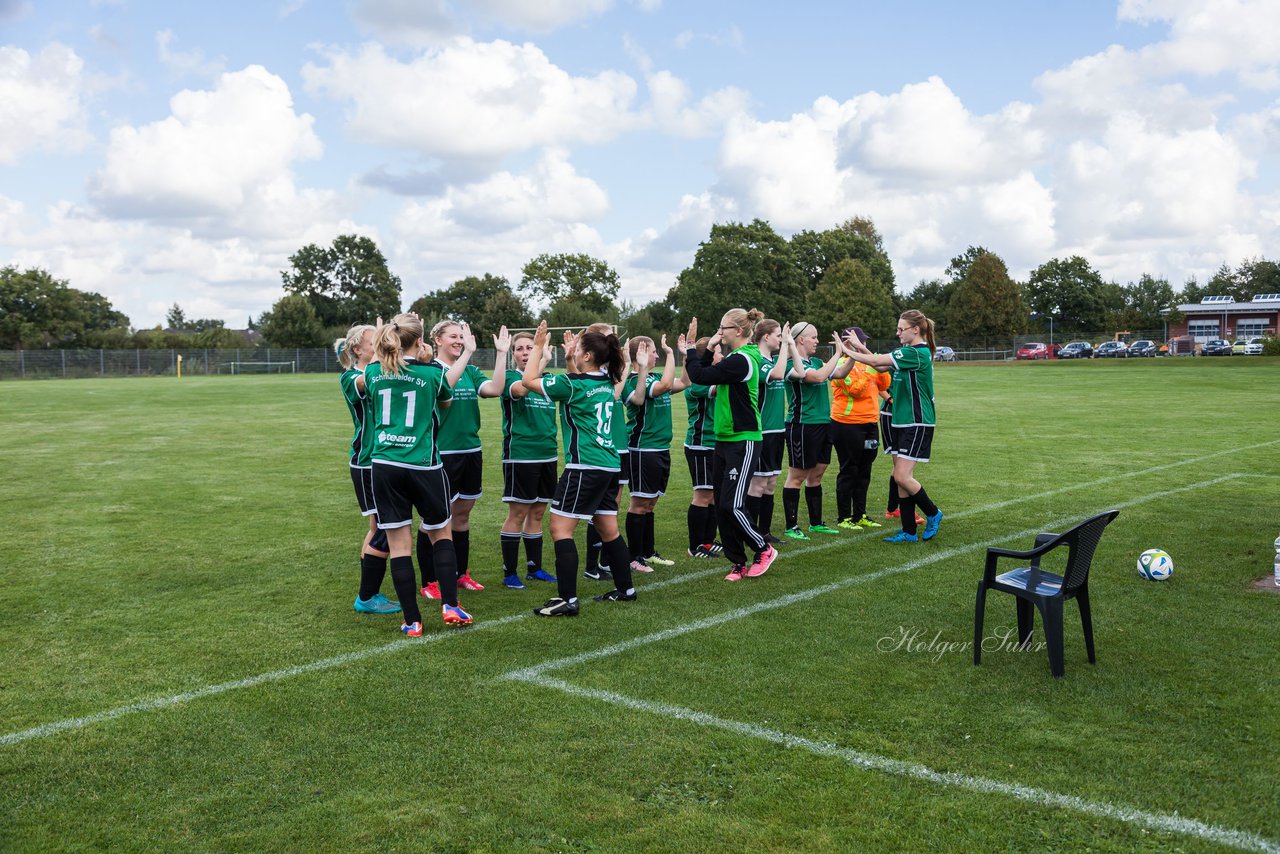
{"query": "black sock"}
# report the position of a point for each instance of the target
(813, 500)
(908, 507)
(447, 571)
(533, 551)
(650, 544)
(462, 548)
(567, 567)
(402, 579)
(764, 520)
(893, 496)
(791, 506)
(925, 503)
(635, 535)
(510, 554)
(593, 550)
(713, 525)
(616, 551)
(372, 570)
(425, 561)
(697, 526)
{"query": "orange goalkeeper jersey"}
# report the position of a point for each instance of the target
(856, 398)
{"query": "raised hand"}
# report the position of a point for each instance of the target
(502, 341)
(642, 354)
(468, 339)
(691, 337)
(666, 348)
(540, 336)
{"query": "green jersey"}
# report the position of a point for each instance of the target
(405, 416)
(808, 403)
(701, 434)
(361, 412)
(773, 406)
(619, 425)
(912, 387)
(650, 423)
(586, 419)
(528, 425)
(737, 408)
(460, 423)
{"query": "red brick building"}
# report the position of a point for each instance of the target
(1223, 317)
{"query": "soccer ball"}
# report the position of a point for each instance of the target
(1155, 565)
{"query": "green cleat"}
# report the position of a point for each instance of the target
(795, 534)
(822, 529)
(864, 522)
(848, 524)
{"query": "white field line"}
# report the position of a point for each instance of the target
(871, 762)
(404, 643)
(530, 673)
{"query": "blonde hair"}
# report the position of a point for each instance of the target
(439, 328)
(633, 346)
(744, 321)
(345, 347)
(394, 338)
(800, 327)
(924, 324)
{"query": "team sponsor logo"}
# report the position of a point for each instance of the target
(385, 438)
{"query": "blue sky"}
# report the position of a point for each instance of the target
(162, 153)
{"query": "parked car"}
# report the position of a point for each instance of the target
(1216, 347)
(1076, 350)
(1143, 347)
(1254, 347)
(1037, 350)
(944, 354)
(1110, 350)
(1237, 347)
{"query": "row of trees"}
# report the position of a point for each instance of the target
(830, 278)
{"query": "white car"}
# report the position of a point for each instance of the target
(1253, 347)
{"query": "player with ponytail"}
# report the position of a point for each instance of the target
(913, 417)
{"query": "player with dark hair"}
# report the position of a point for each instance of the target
(855, 435)
(648, 405)
(699, 455)
(772, 341)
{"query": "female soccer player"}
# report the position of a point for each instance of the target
(913, 416)
(408, 396)
(588, 486)
(808, 439)
(354, 353)
(699, 452)
(855, 437)
(648, 403)
(771, 339)
(528, 466)
(459, 441)
(737, 422)
(594, 570)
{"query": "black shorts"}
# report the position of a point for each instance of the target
(398, 491)
(699, 460)
(466, 473)
(528, 483)
(648, 472)
(586, 493)
(913, 443)
(808, 445)
(623, 477)
(886, 434)
(362, 479)
(770, 454)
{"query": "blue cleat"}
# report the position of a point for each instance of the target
(931, 525)
(902, 537)
(376, 604)
(512, 582)
(539, 575)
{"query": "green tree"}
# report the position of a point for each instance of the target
(588, 283)
(574, 313)
(739, 266)
(986, 302)
(485, 302)
(816, 252)
(1144, 301)
(653, 319)
(37, 310)
(292, 322)
(176, 318)
(347, 282)
(1070, 291)
(1257, 276)
(932, 298)
(959, 266)
(850, 294)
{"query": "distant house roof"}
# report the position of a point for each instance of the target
(1228, 305)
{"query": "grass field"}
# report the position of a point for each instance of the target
(182, 668)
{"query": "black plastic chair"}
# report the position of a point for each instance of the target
(1045, 590)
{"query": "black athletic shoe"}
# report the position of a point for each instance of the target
(557, 607)
(616, 595)
(601, 574)
(770, 538)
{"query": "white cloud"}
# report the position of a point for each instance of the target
(427, 23)
(671, 111)
(551, 191)
(218, 150)
(41, 101)
(185, 62)
(1209, 36)
(542, 16)
(472, 99)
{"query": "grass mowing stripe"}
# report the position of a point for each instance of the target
(337, 661)
(873, 762)
(531, 673)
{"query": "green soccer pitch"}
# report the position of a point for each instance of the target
(183, 670)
